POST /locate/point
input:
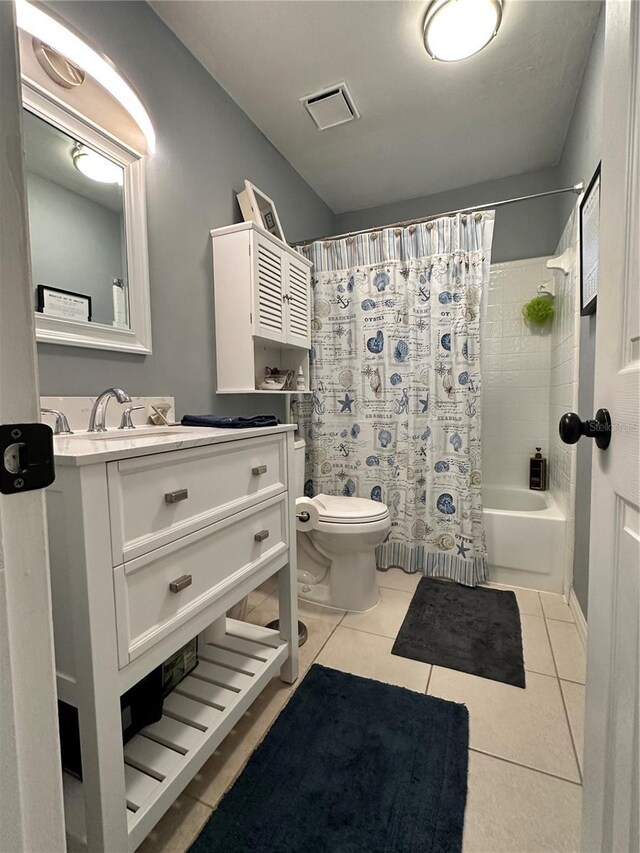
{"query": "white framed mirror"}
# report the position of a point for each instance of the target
(88, 231)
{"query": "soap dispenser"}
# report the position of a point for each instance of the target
(538, 471)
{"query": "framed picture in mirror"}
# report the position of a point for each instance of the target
(63, 303)
(259, 208)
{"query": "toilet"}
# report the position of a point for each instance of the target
(336, 558)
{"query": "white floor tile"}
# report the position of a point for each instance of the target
(370, 656)
(514, 810)
(568, 650)
(555, 607)
(178, 829)
(574, 700)
(528, 599)
(397, 579)
(526, 726)
(536, 646)
(386, 618)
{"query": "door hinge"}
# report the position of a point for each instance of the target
(26, 457)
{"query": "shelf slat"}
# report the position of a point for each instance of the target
(227, 678)
(151, 757)
(250, 665)
(193, 713)
(204, 691)
(139, 787)
(174, 734)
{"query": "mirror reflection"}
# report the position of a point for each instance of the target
(76, 223)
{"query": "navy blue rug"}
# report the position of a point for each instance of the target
(351, 765)
(471, 629)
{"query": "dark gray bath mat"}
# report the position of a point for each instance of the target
(471, 629)
(350, 766)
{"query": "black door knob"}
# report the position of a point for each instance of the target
(572, 428)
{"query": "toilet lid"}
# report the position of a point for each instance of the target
(349, 510)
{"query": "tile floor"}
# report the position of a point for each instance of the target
(525, 764)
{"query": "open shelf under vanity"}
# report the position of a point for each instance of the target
(196, 717)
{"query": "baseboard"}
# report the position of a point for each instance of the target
(578, 615)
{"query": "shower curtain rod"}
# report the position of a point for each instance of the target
(576, 188)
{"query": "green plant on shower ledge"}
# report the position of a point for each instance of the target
(539, 311)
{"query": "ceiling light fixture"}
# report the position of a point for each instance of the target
(456, 29)
(37, 23)
(95, 166)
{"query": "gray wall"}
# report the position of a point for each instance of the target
(526, 230)
(580, 156)
(206, 148)
(76, 244)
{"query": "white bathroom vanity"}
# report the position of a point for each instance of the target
(153, 538)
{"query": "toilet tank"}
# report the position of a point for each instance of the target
(298, 452)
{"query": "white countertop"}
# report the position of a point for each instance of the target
(86, 449)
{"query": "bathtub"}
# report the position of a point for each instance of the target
(525, 533)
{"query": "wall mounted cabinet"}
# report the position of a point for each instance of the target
(262, 291)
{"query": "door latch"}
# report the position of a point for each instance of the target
(26, 457)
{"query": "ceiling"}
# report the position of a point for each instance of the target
(425, 126)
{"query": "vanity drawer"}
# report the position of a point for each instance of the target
(156, 499)
(158, 592)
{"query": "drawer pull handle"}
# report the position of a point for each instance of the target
(261, 535)
(180, 583)
(177, 496)
(259, 469)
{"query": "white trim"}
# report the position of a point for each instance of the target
(136, 339)
(31, 811)
(578, 615)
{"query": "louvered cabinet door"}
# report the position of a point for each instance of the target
(298, 303)
(269, 290)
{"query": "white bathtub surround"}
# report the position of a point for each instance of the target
(78, 410)
(515, 373)
(525, 533)
(563, 388)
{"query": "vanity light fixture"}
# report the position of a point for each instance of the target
(38, 24)
(95, 166)
(456, 29)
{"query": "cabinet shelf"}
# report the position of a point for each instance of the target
(161, 759)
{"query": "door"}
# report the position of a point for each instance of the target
(31, 814)
(268, 289)
(298, 303)
(611, 791)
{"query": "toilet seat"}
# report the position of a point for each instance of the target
(336, 509)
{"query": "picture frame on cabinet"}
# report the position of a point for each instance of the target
(589, 224)
(257, 207)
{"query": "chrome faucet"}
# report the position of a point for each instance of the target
(99, 411)
(61, 426)
(126, 421)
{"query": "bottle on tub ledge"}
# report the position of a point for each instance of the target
(538, 471)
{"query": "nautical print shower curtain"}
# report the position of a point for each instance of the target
(395, 377)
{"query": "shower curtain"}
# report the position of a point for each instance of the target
(394, 413)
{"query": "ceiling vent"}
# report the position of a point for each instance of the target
(331, 106)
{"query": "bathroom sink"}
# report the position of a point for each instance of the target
(126, 434)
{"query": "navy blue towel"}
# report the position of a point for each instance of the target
(255, 422)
